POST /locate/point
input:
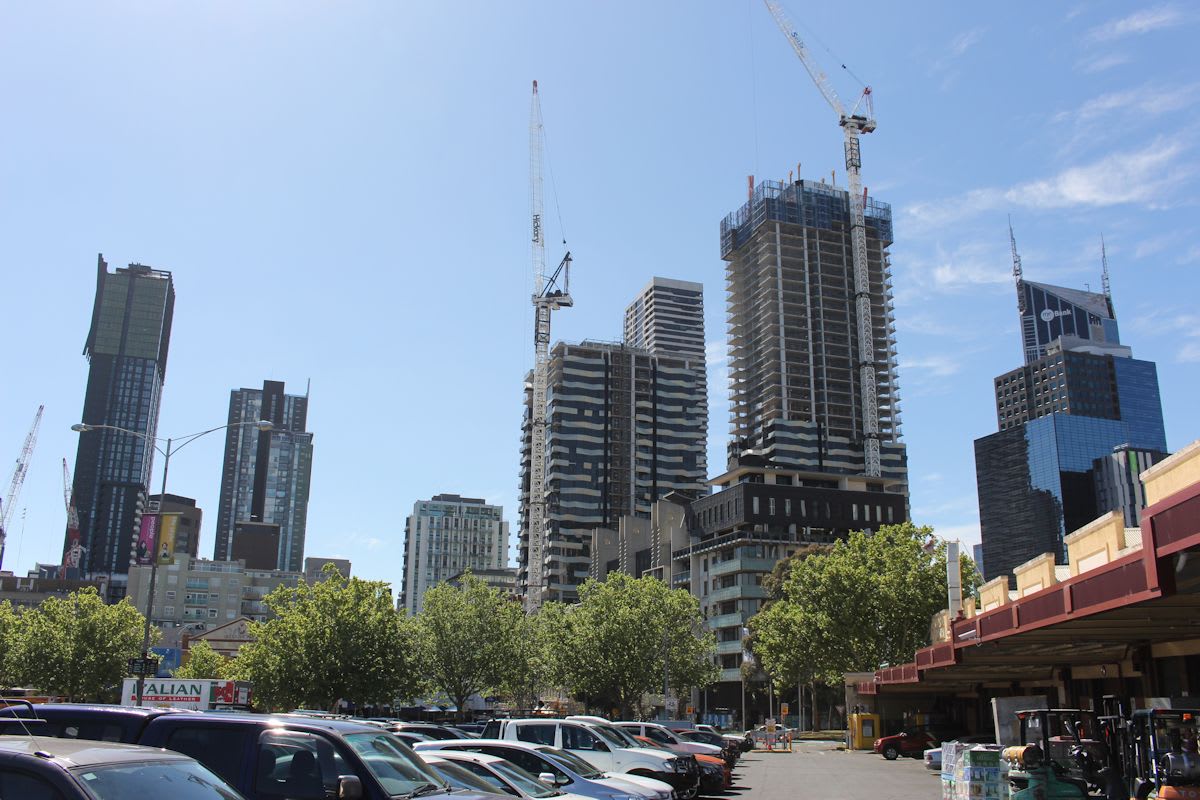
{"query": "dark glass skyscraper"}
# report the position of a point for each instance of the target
(1079, 397)
(266, 475)
(126, 348)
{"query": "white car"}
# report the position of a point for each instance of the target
(567, 770)
(604, 747)
(503, 776)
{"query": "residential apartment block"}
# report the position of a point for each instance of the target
(126, 348)
(445, 536)
(266, 474)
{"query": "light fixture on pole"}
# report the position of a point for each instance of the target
(172, 446)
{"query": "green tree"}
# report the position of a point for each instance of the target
(75, 646)
(624, 637)
(470, 637)
(865, 603)
(525, 674)
(203, 662)
(8, 629)
(338, 639)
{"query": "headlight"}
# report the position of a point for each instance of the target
(677, 765)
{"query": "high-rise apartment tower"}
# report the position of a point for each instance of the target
(795, 398)
(626, 428)
(126, 348)
(446, 536)
(266, 475)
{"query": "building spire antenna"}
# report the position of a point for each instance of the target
(1104, 273)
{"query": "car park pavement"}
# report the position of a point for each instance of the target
(820, 771)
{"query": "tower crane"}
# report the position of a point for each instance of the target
(18, 479)
(853, 125)
(550, 292)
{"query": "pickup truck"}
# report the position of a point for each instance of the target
(263, 756)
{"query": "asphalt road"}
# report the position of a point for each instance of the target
(818, 771)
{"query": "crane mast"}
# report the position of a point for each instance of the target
(548, 295)
(18, 479)
(853, 126)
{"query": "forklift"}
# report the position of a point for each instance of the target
(1158, 753)
(1060, 757)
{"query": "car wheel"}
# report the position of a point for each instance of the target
(891, 752)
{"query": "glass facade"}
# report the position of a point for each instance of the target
(126, 348)
(1049, 313)
(267, 475)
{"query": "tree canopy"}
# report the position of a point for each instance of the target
(616, 644)
(469, 638)
(338, 639)
(203, 662)
(74, 646)
(864, 603)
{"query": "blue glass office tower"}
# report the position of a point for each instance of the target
(1079, 396)
(127, 351)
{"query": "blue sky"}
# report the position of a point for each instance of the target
(341, 191)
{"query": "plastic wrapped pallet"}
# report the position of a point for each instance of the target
(977, 774)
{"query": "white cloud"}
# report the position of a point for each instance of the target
(1139, 22)
(1146, 101)
(1100, 63)
(938, 366)
(1144, 177)
(965, 41)
(969, 266)
(1191, 256)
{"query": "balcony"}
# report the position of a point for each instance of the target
(741, 564)
(725, 621)
(739, 592)
(725, 648)
(731, 675)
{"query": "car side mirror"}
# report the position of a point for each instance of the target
(546, 778)
(349, 787)
(600, 746)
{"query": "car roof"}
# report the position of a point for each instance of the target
(131, 711)
(81, 752)
(452, 754)
(460, 744)
(291, 721)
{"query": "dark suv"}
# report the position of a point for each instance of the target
(264, 756)
(57, 769)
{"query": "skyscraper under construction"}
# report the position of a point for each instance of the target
(795, 369)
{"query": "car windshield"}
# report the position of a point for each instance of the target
(615, 736)
(522, 779)
(461, 778)
(176, 779)
(573, 763)
(391, 761)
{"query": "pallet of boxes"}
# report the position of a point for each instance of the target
(972, 772)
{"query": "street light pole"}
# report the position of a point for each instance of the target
(162, 498)
(82, 427)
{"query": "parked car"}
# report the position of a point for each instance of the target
(730, 745)
(455, 775)
(715, 774)
(746, 743)
(569, 772)
(911, 742)
(428, 729)
(265, 756)
(605, 747)
(933, 756)
(506, 777)
(666, 737)
(60, 769)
